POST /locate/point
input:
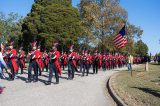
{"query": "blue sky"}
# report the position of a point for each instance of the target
(146, 14)
(143, 13)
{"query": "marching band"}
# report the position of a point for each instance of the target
(54, 62)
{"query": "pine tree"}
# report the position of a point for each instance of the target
(52, 20)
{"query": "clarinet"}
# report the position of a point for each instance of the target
(87, 58)
(9, 54)
(70, 57)
(104, 59)
(97, 59)
(18, 56)
(52, 55)
(109, 58)
(84, 58)
(31, 55)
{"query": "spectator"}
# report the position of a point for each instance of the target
(130, 61)
(158, 59)
(4, 64)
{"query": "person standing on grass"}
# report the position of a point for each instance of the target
(158, 59)
(130, 61)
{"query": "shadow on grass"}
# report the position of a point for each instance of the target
(149, 90)
(155, 80)
(155, 64)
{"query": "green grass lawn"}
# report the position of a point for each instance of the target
(143, 89)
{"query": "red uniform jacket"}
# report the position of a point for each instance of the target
(110, 60)
(100, 61)
(74, 55)
(107, 58)
(35, 55)
(56, 60)
(40, 62)
(86, 58)
(90, 59)
(13, 59)
(46, 59)
(116, 60)
(121, 60)
(22, 59)
(64, 56)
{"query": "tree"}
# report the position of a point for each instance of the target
(52, 20)
(102, 20)
(140, 48)
(10, 26)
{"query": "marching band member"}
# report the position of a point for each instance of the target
(40, 62)
(55, 65)
(11, 60)
(95, 62)
(85, 64)
(71, 63)
(46, 60)
(21, 61)
(33, 63)
(104, 62)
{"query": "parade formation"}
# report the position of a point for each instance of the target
(79, 53)
(55, 61)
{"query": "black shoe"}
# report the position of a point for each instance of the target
(57, 83)
(9, 79)
(48, 82)
(69, 78)
(28, 81)
(35, 81)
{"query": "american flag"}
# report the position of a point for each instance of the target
(120, 40)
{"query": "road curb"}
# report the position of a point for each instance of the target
(113, 94)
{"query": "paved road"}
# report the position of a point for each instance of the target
(82, 91)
